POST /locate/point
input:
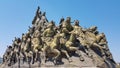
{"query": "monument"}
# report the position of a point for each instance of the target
(65, 45)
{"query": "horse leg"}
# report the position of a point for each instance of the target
(24, 57)
(101, 50)
(80, 55)
(88, 50)
(77, 51)
(29, 60)
(33, 57)
(44, 54)
(38, 58)
(57, 52)
(66, 53)
(43, 58)
(73, 48)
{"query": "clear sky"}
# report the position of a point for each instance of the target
(17, 15)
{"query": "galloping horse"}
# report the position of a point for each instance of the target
(89, 40)
(73, 47)
(28, 50)
(37, 46)
(52, 49)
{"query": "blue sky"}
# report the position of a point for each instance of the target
(17, 15)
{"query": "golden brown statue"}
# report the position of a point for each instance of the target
(52, 49)
(49, 33)
(72, 46)
(67, 24)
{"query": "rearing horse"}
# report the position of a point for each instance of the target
(90, 40)
(73, 47)
(52, 50)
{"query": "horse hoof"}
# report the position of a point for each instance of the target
(42, 63)
(70, 60)
(81, 59)
(39, 65)
(89, 55)
(9, 64)
(32, 62)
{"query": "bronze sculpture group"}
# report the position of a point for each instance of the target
(44, 41)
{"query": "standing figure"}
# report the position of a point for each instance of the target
(67, 24)
(49, 33)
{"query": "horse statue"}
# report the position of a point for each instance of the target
(7, 54)
(89, 40)
(52, 49)
(37, 45)
(28, 54)
(73, 47)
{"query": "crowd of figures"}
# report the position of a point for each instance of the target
(45, 41)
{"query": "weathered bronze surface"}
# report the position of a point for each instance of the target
(66, 45)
